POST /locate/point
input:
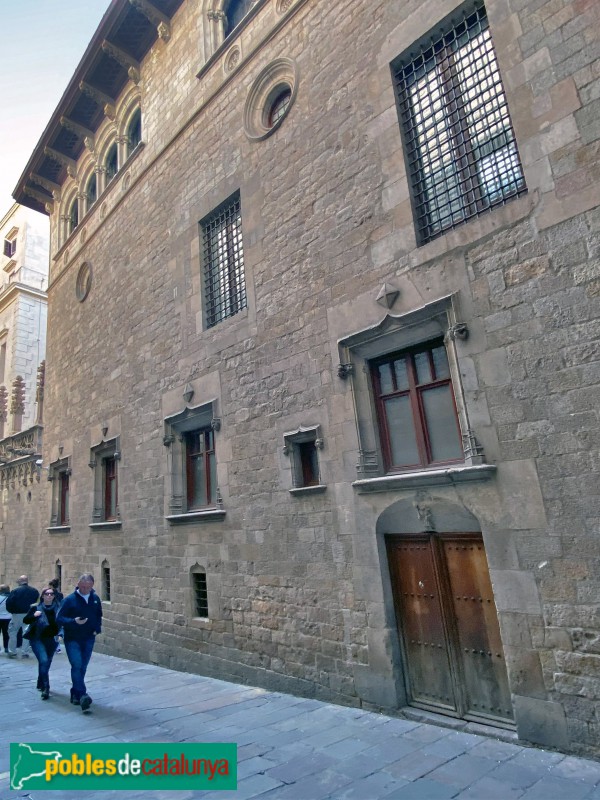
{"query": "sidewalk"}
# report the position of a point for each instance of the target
(289, 748)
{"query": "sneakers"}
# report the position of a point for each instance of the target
(12, 655)
(45, 694)
(85, 702)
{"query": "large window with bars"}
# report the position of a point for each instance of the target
(223, 262)
(460, 145)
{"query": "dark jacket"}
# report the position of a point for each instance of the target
(21, 598)
(75, 606)
(44, 627)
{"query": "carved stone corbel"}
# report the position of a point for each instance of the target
(69, 164)
(156, 17)
(345, 370)
(100, 98)
(76, 128)
(459, 330)
(124, 59)
(50, 186)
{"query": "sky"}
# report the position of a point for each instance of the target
(42, 44)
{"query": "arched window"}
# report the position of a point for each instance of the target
(236, 11)
(73, 216)
(111, 163)
(134, 132)
(91, 192)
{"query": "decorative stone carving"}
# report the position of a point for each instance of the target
(17, 402)
(277, 77)
(387, 295)
(39, 392)
(156, 17)
(459, 330)
(99, 97)
(284, 5)
(345, 370)
(232, 59)
(77, 129)
(69, 164)
(425, 515)
(188, 393)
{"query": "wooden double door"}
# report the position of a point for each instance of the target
(454, 661)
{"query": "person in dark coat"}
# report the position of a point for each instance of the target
(55, 584)
(81, 618)
(42, 630)
(18, 603)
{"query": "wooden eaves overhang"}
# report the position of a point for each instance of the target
(126, 33)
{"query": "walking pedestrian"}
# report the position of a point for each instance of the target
(5, 615)
(81, 617)
(18, 603)
(55, 584)
(42, 630)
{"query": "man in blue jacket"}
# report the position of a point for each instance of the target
(81, 617)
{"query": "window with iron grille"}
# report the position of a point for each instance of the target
(200, 594)
(106, 581)
(460, 145)
(418, 423)
(223, 262)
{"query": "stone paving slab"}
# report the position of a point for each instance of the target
(289, 748)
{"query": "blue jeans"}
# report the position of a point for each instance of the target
(79, 653)
(43, 649)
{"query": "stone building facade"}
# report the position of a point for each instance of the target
(23, 312)
(323, 349)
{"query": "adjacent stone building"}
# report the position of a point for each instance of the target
(23, 311)
(322, 385)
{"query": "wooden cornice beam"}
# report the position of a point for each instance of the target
(99, 97)
(41, 198)
(154, 16)
(124, 59)
(76, 128)
(45, 183)
(64, 161)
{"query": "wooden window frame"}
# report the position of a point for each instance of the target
(414, 392)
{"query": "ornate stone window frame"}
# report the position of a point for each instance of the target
(56, 470)
(176, 426)
(293, 447)
(109, 449)
(272, 81)
(394, 333)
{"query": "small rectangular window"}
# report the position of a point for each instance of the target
(10, 247)
(106, 583)
(200, 594)
(417, 416)
(223, 262)
(458, 137)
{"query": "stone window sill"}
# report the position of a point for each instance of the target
(431, 477)
(59, 529)
(210, 515)
(106, 525)
(298, 491)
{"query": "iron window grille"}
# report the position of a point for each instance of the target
(415, 405)
(460, 145)
(224, 279)
(200, 594)
(106, 583)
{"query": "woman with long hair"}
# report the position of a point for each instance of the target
(43, 628)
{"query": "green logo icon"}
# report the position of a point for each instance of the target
(123, 766)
